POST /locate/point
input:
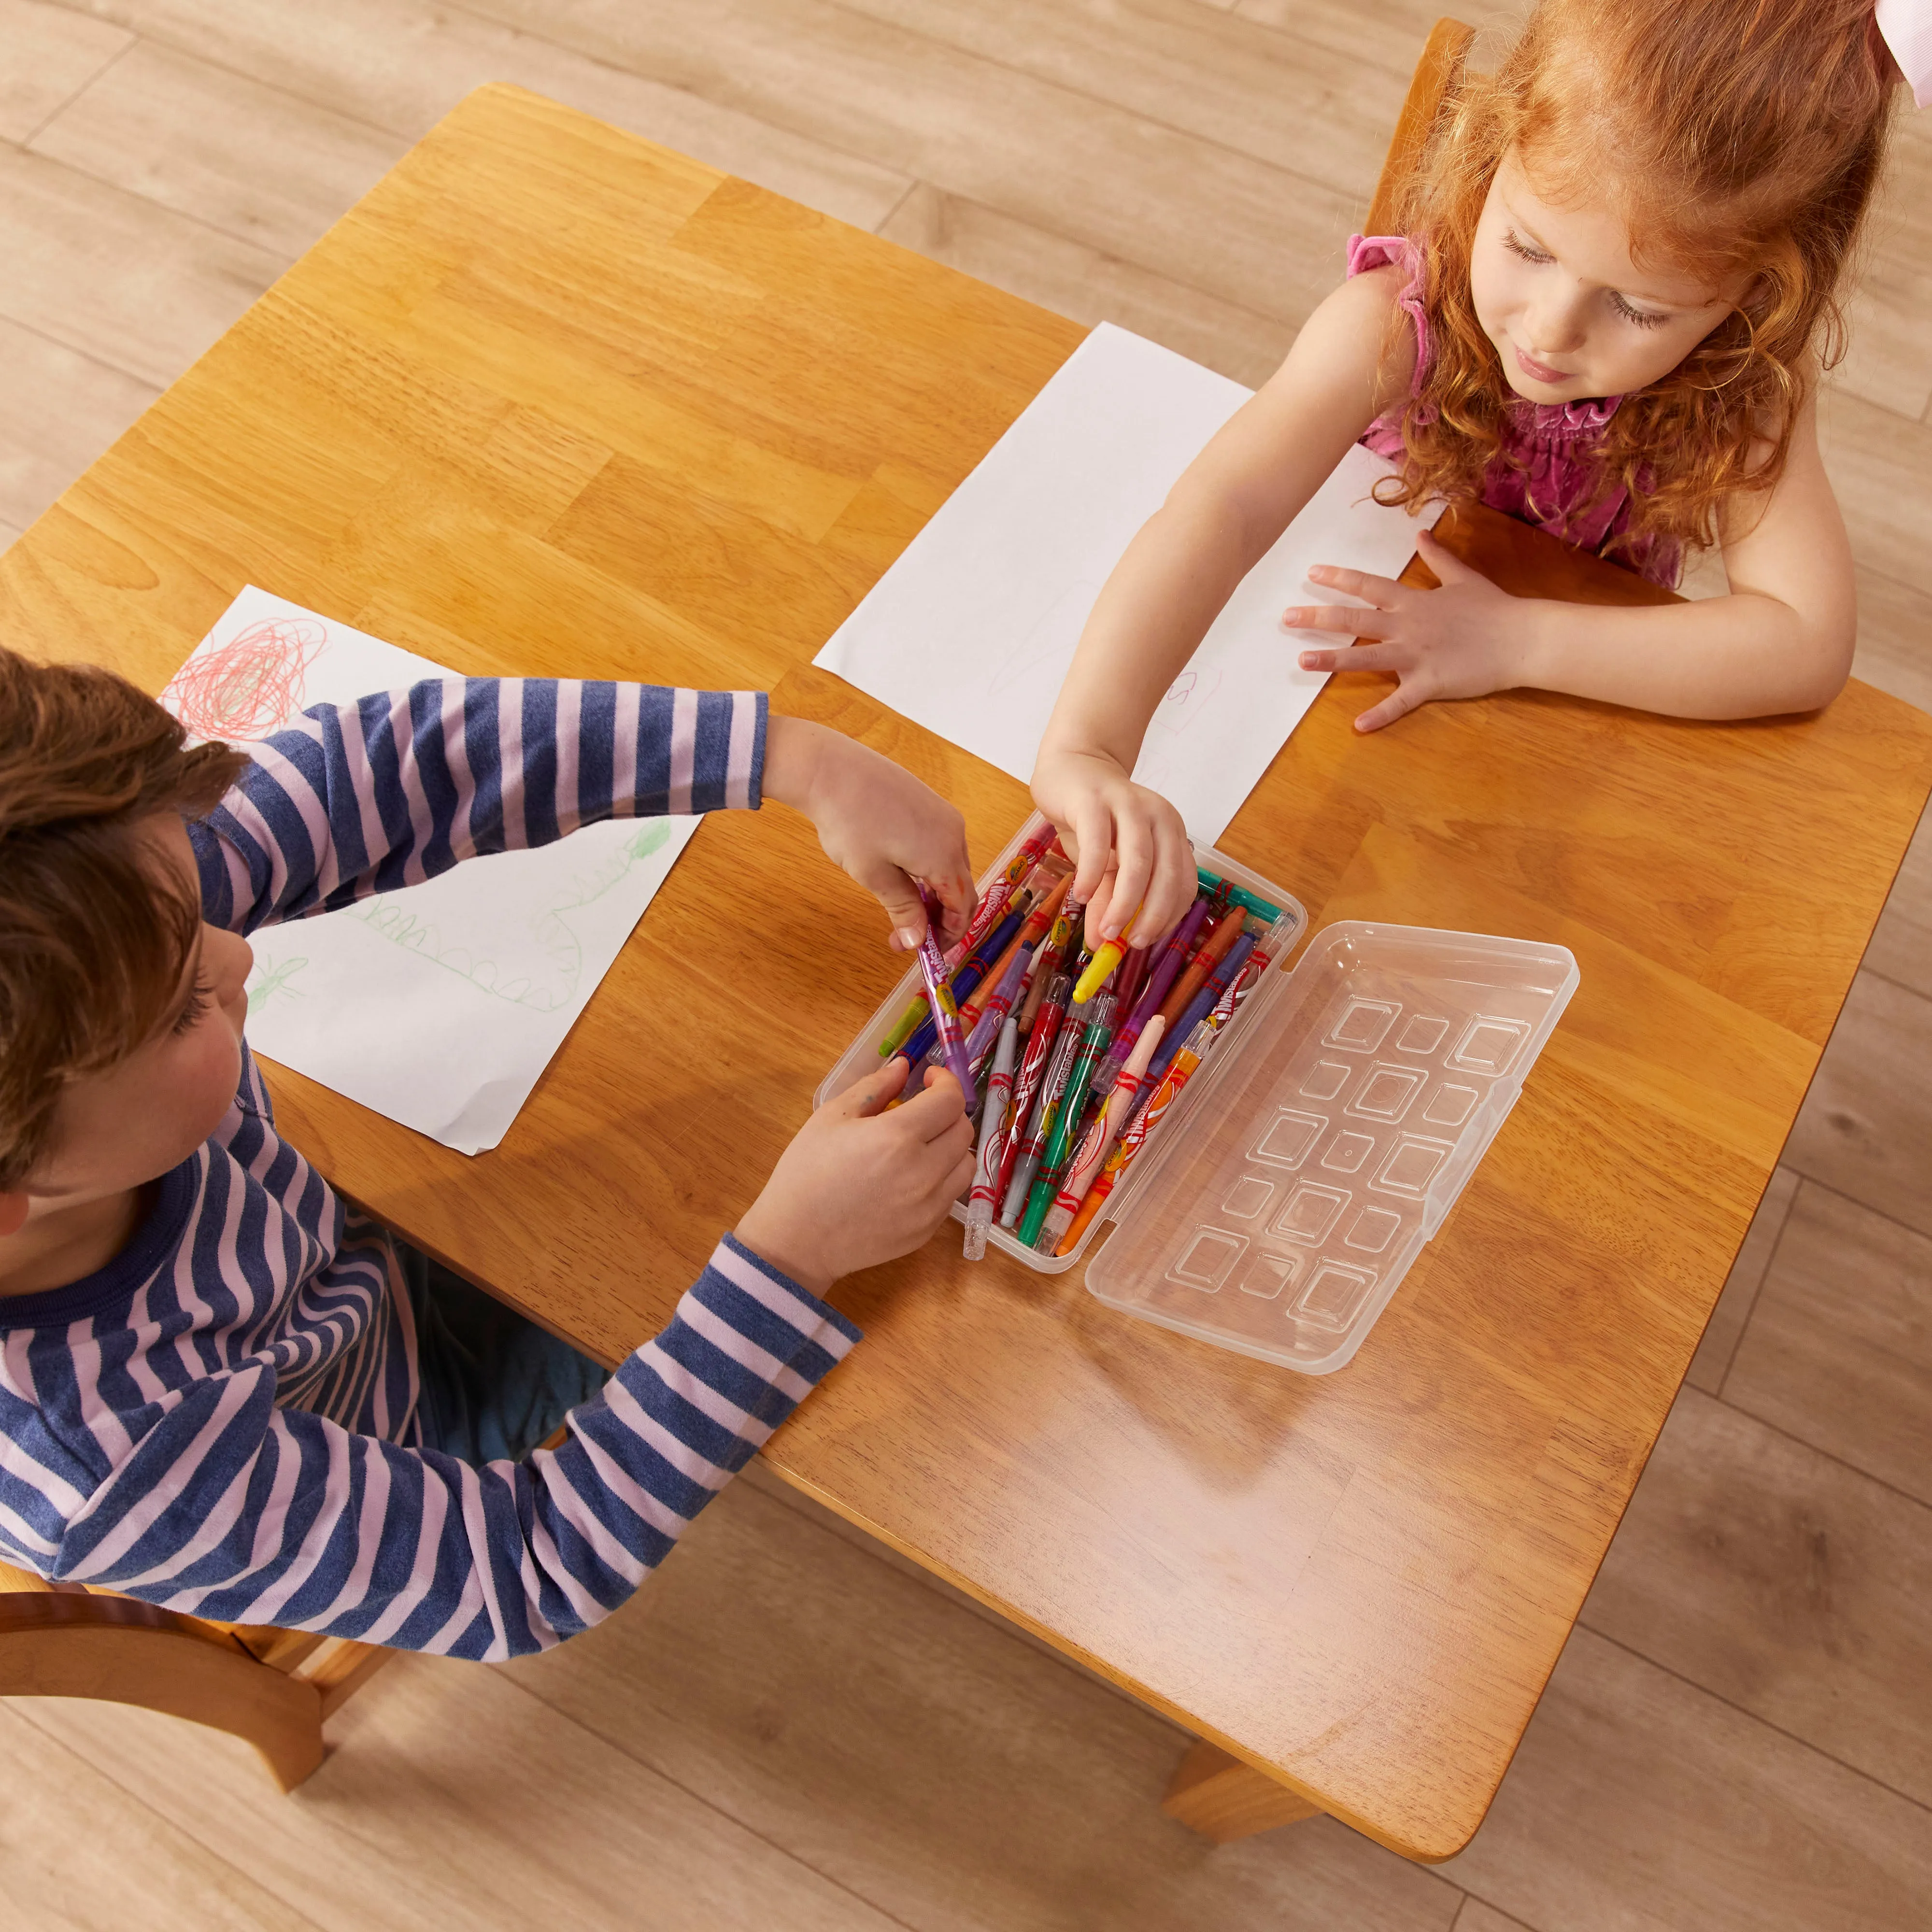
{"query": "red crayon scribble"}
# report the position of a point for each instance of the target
(247, 687)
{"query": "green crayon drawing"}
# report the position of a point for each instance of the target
(271, 978)
(390, 917)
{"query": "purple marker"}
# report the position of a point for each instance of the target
(939, 995)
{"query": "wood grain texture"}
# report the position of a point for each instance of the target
(922, 1753)
(1224, 1798)
(47, 55)
(1784, 1581)
(551, 400)
(1641, 1802)
(1713, 1358)
(452, 1799)
(1901, 946)
(58, 410)
(1838, 1352)
(1443, 54)
(80, 1852)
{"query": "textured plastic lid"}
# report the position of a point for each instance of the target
(1304, 1166)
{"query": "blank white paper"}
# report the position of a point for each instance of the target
(970, 632)
(439, 1005)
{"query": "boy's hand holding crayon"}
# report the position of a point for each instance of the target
(859, 1185)
(875, 821)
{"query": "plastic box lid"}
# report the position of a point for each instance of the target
(1303, 1167)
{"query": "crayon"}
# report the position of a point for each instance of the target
(1224, 976)
(1031, 1136)
(992, 1122)
(991, 909)
(972, 970)
(1107, 956)
(985, 1033)
(1160, 976)
(1212, 950)
(1242, 897)
(1065, 923)
(1038, 919)
(945, 1014)
(1065, 1135)
(1101, 1131)
(1033, 1070)
(1129, 976)
(1185, 1060)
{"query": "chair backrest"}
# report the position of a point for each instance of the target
(1435, 74)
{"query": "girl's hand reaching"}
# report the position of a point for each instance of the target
(877, 821)
(1465, 640)
(1129, 846)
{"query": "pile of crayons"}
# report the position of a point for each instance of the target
(1072, 1056)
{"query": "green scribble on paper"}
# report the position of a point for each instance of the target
(272, 977)
(389, 916)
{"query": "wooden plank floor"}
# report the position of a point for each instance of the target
(794, 1727)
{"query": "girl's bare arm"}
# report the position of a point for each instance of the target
(1220, 518)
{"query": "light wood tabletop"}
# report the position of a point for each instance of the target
(552, 400)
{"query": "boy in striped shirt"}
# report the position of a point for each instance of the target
(225, 1391)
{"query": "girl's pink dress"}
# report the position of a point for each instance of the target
(1546, 474)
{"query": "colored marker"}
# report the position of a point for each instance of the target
(1038, 919)
(1129, 977)
(991, 909)
(972, 970)
(1051, 956)
(1107, 956)
(1225, 975)
(1160, 976)
(1242, 897)
(1085, 1166)
(1033, 1070)
(1207, 955)
(992, 1123)
(1032, 1136)
(1149, 1117)
(945, 1014)
(985, 1033)
(1066, 1129)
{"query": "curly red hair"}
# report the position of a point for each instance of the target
(1742, 138)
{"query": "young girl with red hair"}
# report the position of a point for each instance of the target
(1617, 281)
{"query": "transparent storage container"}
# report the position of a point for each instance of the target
(1321, 1143)
(861, 1057)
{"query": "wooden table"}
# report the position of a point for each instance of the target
(554, 400)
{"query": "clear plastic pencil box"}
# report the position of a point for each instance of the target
(1323, 1141)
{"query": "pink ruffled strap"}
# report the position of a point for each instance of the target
(1397, 251)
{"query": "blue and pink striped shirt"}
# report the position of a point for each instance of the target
(222, 1421)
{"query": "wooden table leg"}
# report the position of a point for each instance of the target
(1223, 1799)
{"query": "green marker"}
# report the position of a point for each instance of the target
(1065, 1135)
(1241, 896)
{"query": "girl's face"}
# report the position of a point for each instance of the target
(1571, 315)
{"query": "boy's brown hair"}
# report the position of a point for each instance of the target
(92, 944)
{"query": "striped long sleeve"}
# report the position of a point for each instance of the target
(223, 1419)
(355, 799)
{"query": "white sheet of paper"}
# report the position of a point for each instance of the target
(970, 631)
(441, 1004)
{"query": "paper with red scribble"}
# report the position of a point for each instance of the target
(246, 687)
(971, 630)
(439, 1005)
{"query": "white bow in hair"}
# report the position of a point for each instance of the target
(1906, 25)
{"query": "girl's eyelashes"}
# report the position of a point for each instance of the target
(1638, 316)
(191, 1014)
(1515, 243)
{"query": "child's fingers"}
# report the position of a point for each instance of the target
(1377, 656)
(896, 893)
(1352, 618)
(1134, 853)
(1381, 590)
(1175, 880)
(872, 1096)
(1096, 908)
(958, 896)
(1093, 848)
(936, 1108)
(1448, 567)
(1399, 703)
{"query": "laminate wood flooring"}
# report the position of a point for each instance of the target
(794, 1725)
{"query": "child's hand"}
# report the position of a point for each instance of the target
(859, 1186)
(877, 821)
(1129, 846)
(1463, 640)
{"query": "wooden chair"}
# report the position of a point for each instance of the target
(274, 1687)
(1213, 1792)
